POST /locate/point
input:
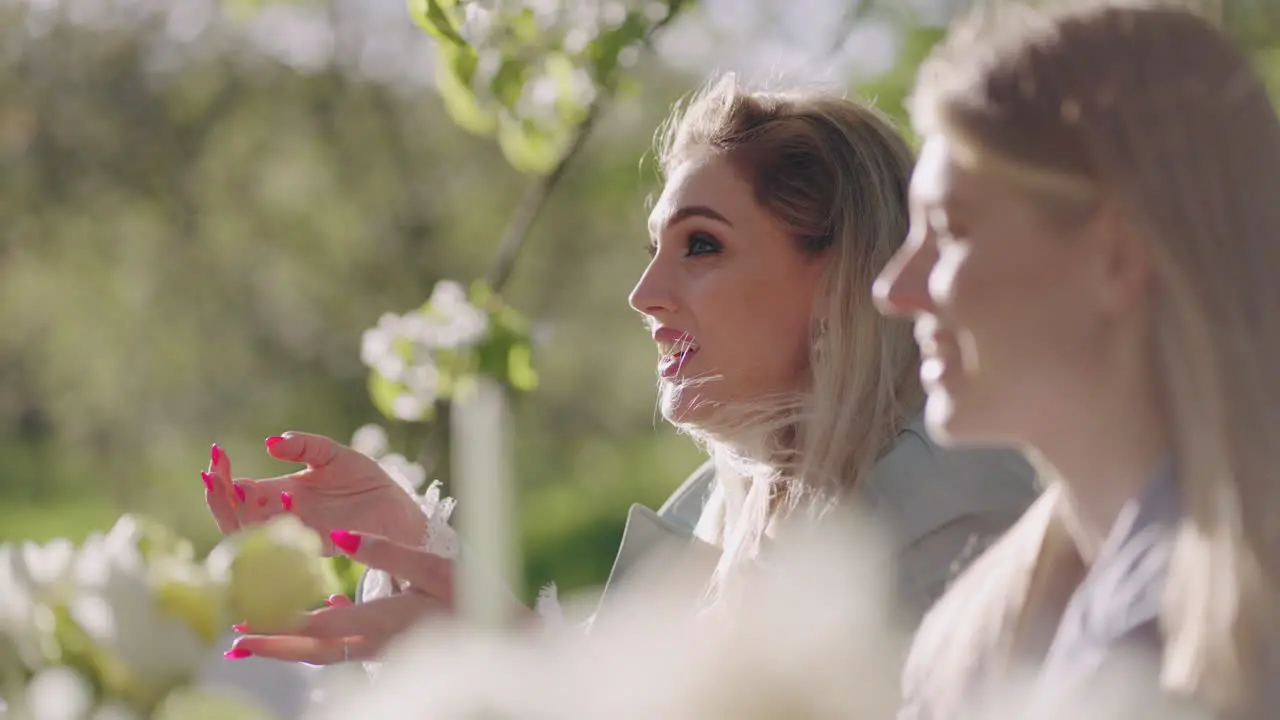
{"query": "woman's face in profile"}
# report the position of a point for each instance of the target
(1009, 308)
(727, 294)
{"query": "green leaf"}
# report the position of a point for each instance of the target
(508, 83)
(520, 371)
(383, 393)
(523, 27)
(529, 148)
(459, 100)
(435, 17)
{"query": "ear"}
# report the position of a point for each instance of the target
(1123, 259)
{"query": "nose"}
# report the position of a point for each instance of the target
(654, 293)
(902, 289)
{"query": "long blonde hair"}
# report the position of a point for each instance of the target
(835, 172)
(1147, 106)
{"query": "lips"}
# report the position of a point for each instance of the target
(676, 348)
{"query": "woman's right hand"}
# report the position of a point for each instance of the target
(340, 488)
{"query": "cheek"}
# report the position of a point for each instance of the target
(760, 331)
(1012, 315)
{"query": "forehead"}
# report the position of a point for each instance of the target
(707, 179)
(937, 178)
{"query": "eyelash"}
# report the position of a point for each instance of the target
(696, 237)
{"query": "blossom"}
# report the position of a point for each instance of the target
(24, 621)
(58, 693)
(378, 347)
(407, 474)
(409, 407)
(370, 440)
(146, 648)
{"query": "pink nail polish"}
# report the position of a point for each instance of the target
(215, 454)
(286, 499)
(208, 481)
(239, 491)
(271, 441)
(236, 654)
(347, 542)
(331, 600)
(240, 628)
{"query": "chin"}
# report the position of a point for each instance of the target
(957, 423)
(945, 420)
(681, 406)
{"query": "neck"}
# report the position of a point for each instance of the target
(1103, 463)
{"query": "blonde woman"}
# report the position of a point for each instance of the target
(1091, 269)
(777, 212)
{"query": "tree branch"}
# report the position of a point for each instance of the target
(535, 198)
(530, 207)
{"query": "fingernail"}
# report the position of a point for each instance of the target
(331, 600)
(239, 491)
(241, 628)
(208, 481)
(236, 654)
(286, 499)
(215, 454)
(271, 441)
(347, 542)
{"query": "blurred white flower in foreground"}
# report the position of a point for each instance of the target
(59, 693)
(812, 635)
(114, 606)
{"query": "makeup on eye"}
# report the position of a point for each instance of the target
(701, 243)
(697, 243)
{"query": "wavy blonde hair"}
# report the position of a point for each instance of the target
(835, 172)
(1146, 106)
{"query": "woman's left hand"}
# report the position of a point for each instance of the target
(346, 631)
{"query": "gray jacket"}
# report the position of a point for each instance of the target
(941, 508)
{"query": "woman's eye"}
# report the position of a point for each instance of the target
(703, 244)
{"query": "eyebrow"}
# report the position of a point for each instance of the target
(689, 211)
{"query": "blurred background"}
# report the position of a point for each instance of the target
(204, 204)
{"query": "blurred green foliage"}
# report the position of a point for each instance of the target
(193, 238)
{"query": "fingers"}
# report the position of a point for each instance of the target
(428, 573)
(261, 500)
(339, 601)
(381, 618)
(315, 451)
(218, 493)
(314, 651)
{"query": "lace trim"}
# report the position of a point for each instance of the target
(441, 539)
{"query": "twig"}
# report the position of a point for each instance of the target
(535, 198)
(530, 207)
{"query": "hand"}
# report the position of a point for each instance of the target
(340, 488)
(345, 631)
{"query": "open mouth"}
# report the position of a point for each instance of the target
(675, 356)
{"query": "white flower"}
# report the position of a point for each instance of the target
(408, 475)
(378, 346)
(370, 440)
(457, 323)
(23, 619)
(49, 568)
(409, 407)
(114, 606)
(59, 693)
(423, 380)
